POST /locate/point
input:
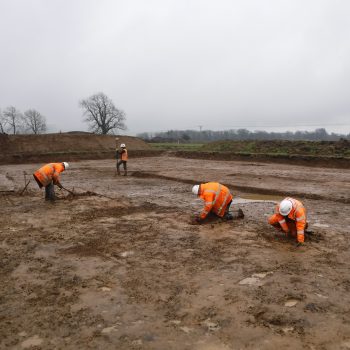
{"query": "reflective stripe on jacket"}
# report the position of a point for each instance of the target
(124, 154)
(49, 172)
(297, 214)
(216, 198)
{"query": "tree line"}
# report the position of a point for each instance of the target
(239, 134)
(13, 121)
(99, 112)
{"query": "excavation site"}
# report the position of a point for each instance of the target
(117, 262)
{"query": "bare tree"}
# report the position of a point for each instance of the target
(102, 115)
(34, 122)
(12, 118)
(2, 123)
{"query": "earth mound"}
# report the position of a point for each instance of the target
(23, 148)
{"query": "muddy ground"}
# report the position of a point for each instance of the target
(127, 270)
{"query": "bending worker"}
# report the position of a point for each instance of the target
(123, 158)
(290, 217)
(217, 200)
(48, 176)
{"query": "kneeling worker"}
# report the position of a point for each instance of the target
(290, 216)
(48, 176)
(217, 200)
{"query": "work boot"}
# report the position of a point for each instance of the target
(228, 216)
(50, 199)
(240, 214)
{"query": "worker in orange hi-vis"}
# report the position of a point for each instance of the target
(290, 217)
(48, 176)
(217, 199)
(122, 159)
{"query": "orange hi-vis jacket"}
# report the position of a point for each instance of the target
(297, 214)
(216, 198)
(124, 154)
(49, 172)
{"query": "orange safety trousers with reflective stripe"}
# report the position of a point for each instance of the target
(298, 217)
(49, 172)
(216, 198)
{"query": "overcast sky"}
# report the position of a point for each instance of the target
(272, 64)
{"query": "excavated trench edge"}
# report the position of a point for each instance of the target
(244, 189)
(302, 160)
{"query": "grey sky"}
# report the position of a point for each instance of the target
(181, 63)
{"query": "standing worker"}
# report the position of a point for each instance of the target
(290, 217)
(122, 159)
(217, 198)
(48, 176)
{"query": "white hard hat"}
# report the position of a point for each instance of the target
(66, 165)
(122, 145)
(195, 189)
(285, 207)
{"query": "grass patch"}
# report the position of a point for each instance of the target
(281, 147)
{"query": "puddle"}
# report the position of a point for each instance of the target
(255, 279)
(32, 342)
(126, 254)
(186, 329)
(108, 330)
(211, 326)
(251, 281)
(291, 302)
(257, 198)
(318, 224)
(6, 185)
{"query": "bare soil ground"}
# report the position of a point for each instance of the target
(126, 270)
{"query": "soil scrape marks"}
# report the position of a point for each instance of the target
(131, 272)
(245, 189)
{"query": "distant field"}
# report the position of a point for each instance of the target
(274, 148)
